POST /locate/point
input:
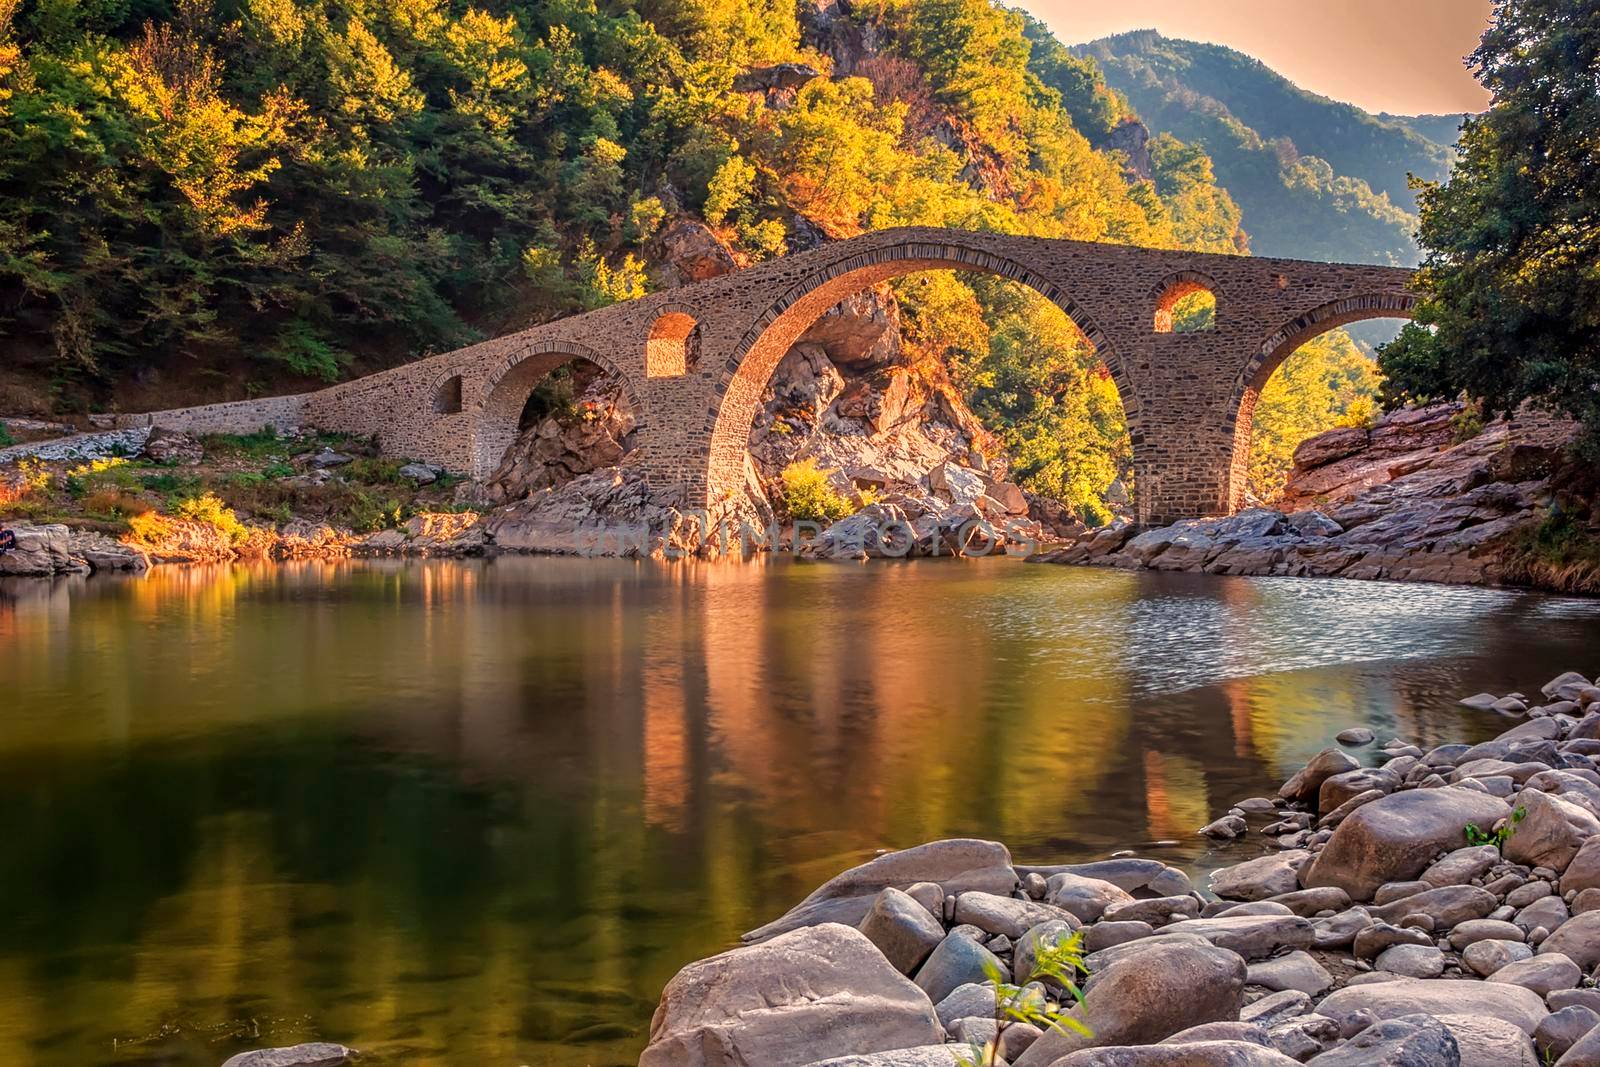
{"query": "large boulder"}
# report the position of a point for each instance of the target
(1148, 995)
(1307, 782)
(802, 996)
(40, 551)
(957, 865)
(1551, 831)
(922, 1056)
(1437, 996)
(1394, 838)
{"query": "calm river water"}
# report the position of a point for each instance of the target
(480, 812)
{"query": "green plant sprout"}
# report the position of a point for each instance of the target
(1498, 838)
(1060, 962)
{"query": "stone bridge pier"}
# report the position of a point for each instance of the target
(695, 361)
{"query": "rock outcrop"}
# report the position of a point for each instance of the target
(1400, 501)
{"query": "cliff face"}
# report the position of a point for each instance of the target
(1407, 499)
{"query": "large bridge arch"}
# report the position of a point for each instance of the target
(743, 376)
(506, 390)
(1278, 346)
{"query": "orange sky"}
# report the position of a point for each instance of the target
(1400, 56)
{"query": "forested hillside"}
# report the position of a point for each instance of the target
(209, 198)
(1316, 179)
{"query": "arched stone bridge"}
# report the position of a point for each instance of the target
(696, 360)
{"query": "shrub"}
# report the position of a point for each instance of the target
(113, 504)
(374, 471)
(5, 436)
(809, 496)
(208, 509)
(278, 470)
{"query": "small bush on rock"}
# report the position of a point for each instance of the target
(809, 496)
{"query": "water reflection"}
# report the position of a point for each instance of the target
(480, 812)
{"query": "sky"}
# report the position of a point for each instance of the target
(1400, 56)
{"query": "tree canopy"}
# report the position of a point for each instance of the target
(1511, 280)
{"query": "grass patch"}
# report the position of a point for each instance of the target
(1560, 554)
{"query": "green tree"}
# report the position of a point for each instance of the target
(1511, 282)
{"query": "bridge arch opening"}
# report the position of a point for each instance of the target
(447, 396)
(1185, 303)
(1324, 376)
(673, 345)
(548, 379)
(794, 317)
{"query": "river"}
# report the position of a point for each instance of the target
(479, 812)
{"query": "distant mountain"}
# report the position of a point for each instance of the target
(1315, 178)
(1440, 129)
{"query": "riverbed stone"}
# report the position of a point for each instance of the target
(1104, 935)
(1484, 1041)
(1548, 912)
(804, 995)
(1379, 938)
(1411, 961)
(955, 962)
(1578, 939)
(1586, 1053)
(1087, 898)
(1193, 1054)
(1295, 970)
(957, 865)
(1551, 832)
(310, 1054)
(1462, 866)
(1355, 735)
(1474, 930)
(1255, 937)
(1128, 873)
(1412, 1040)
(1584, 870)
(1563, 1029)
(1149, 995)
(1484, 958)
(1275, 1008)
(1339, 789)
(1025, 956)
(1157, 911)
(995, 914)
(1447, 906)
(1438, 996)
(902, 929)
(921, 1056)
(1392, 839)
(1544, 973)
(1308, 780)
(1340, 930)
(1260, 878)
(964, 1002)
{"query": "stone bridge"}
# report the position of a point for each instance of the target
(695, 360)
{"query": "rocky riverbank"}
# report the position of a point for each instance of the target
(1417, 497)
(1420, 908)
